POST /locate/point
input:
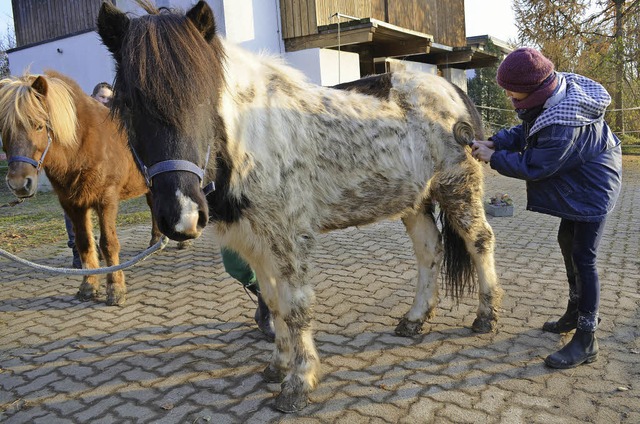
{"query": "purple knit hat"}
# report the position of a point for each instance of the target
(526, 70)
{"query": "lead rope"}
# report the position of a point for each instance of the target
(12, 203)
(73, 271)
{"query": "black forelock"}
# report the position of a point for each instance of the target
(167, 68)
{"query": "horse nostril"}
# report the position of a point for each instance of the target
(29, 184)
(203, 218)
(163, 224)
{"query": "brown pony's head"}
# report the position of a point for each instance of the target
(35, 111)
(169, 75)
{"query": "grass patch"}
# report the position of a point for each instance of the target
(631, 149)
(39, 220)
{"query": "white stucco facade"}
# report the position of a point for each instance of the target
(81, 57)
(326, 66)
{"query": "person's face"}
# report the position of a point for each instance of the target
(104, 95)
(516, 96)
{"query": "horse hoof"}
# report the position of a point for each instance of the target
(114, 299)
(87, 292)
(184, 244)
(408, 328)
(292, 398)
(484, 325)
(86, 295)
(273, 375)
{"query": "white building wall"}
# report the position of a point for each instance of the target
(393, 64)
(253, 24)
(456, 76)
(82, 57)
(325, 66)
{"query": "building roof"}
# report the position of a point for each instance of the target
(359, 34)
(370, 36)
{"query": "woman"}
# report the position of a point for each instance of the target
(573, 167)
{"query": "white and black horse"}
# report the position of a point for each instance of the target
(291, 160)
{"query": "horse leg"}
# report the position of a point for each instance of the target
(461, 200)
(155, 231)
(427, 245)
(481, 247)
(82, 226)
(110, 246)
(280, 363)
(295, 307)
(295, 361)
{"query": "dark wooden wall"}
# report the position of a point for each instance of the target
(444, 19)
(42, 20)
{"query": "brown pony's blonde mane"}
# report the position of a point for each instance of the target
(165, 57)
(22, 106)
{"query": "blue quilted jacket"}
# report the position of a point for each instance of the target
(571, 160)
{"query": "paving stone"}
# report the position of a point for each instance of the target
(97, 409)
(185, 348)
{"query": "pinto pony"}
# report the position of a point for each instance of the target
(291, 160)
(48, 122)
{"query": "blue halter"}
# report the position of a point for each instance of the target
(174, 165)
(36, 164)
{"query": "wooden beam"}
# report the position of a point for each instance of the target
(402, 48)
(449, 58)
(361, 36)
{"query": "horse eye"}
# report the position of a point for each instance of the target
(39, 127)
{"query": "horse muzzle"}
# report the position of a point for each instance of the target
(181, 215)
(22, 184)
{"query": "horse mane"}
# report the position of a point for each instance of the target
(22, 106)
(166, 57)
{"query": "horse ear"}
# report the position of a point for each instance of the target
(202, 17)
(112, 24)
(40, 85)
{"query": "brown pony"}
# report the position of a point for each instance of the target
(48, 122)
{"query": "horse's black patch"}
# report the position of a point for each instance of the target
(375, 85)
(222, 206)
(483, 242)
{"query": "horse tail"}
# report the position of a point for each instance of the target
(475, 118)
(463, 133)
(458, 268)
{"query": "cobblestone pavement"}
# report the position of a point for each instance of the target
(185, 349)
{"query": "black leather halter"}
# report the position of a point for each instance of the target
(173, 165)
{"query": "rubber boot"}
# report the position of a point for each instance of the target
(264, 320)
(566, 322)
(582, 349)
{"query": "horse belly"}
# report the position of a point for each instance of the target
(370, 201)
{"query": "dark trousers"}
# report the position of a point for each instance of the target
(579, 245)
(72, 237)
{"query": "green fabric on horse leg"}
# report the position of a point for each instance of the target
(239, 269)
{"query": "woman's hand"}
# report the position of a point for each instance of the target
(482, 150)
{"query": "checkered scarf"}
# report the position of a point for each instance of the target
(578, 101)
